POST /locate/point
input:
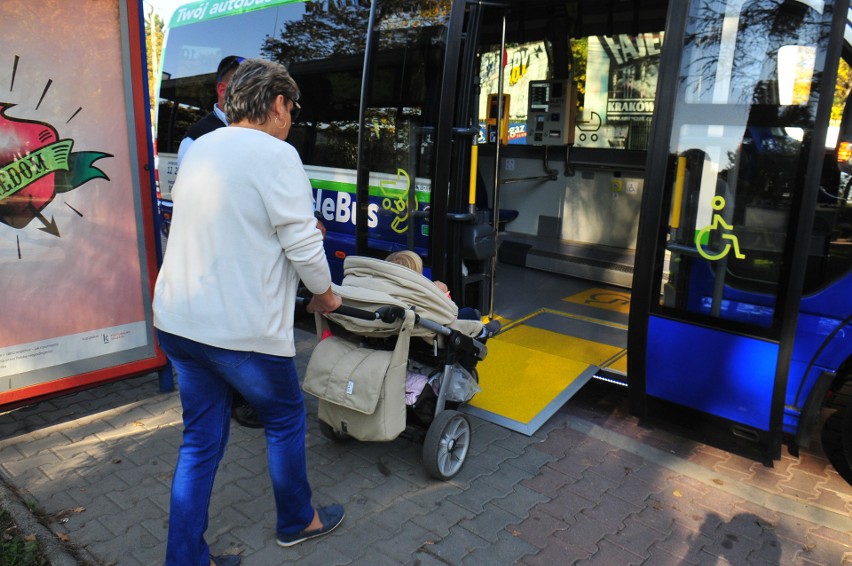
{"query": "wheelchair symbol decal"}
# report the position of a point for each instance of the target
(609, 298)
(718, 221)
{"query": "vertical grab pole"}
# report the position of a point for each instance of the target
(495, 212)
(677, 198)
(362, 171)
(474, 163)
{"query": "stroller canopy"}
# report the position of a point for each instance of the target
(370, 283)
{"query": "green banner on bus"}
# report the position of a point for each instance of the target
(206, 10)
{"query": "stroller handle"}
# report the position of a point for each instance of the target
(388, 313)
(385, 314)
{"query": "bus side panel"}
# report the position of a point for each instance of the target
(397, 212)
(728, 376)
(834, 301)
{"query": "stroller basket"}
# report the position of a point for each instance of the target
(359, 372)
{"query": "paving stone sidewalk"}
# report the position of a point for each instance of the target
(593, 486)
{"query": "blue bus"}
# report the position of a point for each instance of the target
(652, 193)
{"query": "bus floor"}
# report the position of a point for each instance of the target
(558, 332)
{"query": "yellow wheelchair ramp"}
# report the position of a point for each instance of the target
(531, 371)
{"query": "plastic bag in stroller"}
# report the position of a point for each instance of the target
(397, 360)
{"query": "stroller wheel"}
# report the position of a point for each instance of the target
(328, 431)
(446, 445)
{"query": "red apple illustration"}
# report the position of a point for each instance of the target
(18, 139)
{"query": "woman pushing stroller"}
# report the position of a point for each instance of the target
(243, 234)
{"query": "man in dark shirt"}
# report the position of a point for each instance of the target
(216, 118)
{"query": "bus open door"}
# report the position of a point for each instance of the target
(728, 321)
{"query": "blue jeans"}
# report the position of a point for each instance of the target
(271, 385)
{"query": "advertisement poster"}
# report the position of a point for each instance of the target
(621, 85)
(522, 63)
(75, 275)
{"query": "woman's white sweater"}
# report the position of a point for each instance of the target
(243, 233)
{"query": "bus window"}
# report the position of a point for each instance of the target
(616, 78)
(174, 117)
(740, 140)
(830, 250)
(193, 49)
(329, 75)
(401, 114)
(328, 71)
(523, 63)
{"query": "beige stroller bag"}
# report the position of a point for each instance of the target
(359, 373)
(361, 391)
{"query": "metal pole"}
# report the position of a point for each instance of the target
(495, 212)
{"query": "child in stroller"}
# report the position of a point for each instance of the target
(414, 262)
(395, 326)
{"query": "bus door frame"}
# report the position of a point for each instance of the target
(462, 134)
(362, 175)
(653, 224)
(440, 236)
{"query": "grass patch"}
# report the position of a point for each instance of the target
(17, 548)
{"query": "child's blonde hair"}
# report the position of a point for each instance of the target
(407, 258)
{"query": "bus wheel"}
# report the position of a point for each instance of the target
(837, 432)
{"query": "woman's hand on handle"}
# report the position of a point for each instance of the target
(324, 303)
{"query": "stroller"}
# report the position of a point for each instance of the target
(395, 358)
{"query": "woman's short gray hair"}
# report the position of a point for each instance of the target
(253, 90)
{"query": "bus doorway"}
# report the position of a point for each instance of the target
(746, 324)
(560, 169)
(568, 214)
